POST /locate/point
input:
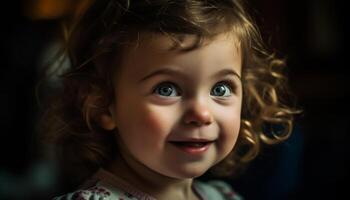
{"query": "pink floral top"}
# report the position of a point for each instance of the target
(105, 186)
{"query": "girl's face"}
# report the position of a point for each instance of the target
(178, 112)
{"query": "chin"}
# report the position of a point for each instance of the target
(189, 173)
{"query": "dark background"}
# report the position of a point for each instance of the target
(312, 164)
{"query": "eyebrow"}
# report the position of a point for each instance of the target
(220, 73)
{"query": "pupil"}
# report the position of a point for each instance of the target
(219, 90)
(165, 90)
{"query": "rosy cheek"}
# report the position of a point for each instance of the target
(230, 133)
(153, 122)
(156, 122)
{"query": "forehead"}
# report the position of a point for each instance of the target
(177, 42)
(151, 50)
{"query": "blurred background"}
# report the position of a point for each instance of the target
(312, 164)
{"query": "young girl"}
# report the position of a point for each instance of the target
(159, 92)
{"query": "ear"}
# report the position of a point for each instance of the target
(107, 120)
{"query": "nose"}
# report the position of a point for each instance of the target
(198, 114)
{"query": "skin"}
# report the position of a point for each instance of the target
(146, 120)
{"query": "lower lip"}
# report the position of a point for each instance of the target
(194, 150)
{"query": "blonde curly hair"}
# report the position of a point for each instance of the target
(94, 39)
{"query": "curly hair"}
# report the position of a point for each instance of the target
(93, 42)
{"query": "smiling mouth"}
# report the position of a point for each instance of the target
(193, 147)
(191, 143)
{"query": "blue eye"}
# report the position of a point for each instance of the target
(167, 89)
(221, 89)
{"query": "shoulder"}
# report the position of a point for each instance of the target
(216, 189)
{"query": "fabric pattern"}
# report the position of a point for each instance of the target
(105, 186)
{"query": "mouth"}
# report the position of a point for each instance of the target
(193, 147)
(194, 144)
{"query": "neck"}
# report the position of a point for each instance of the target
(146, 180)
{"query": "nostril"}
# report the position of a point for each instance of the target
(197, 121)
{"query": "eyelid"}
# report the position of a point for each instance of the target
(164, 83)
(229, 82)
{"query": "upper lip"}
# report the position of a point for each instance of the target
(192, 140)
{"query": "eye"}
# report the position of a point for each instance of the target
(166, 89)
(222, 89)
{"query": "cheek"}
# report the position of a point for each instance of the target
(231, 129)
(152, 123)
(231, 122)
(156, 121)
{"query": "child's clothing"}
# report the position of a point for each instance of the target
(105, 186)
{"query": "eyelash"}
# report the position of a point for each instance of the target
(177, 88)
(229, 83)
